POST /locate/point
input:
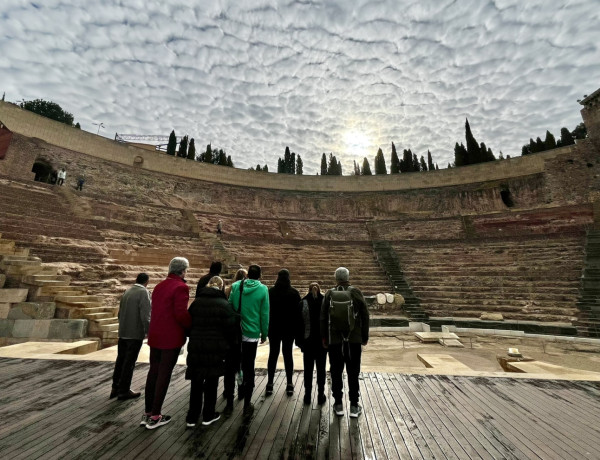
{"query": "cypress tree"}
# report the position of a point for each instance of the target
(299, 165)
(324, 165)
(366, 168)
(172, 145)
(565, 137)
(395, 162)
(335, 167)
(356, 169)
(258, 168)
(550, 141)
(416, 164)
(292, 165)
(406, 164)
(430, 161)
(423, 164)
(473, 150)
(265, 168)
(222, 158)
(540, 145)
(525, 150)
(380, 167)
(460, 155)
(182, 153)
(208, 155)
(229, 161)
(490, 155)
(580, 131)
(280, 166)
(287, 159)
(191, 155)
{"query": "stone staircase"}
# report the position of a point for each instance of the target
(588, 321)
(43, 289)
(389, 261)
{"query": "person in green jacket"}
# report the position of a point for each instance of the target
(254, 313)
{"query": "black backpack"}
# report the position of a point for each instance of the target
(342, 316)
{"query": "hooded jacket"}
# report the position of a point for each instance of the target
(284, 309)
(212, 334)
(170, 318)
(255, 307)
(309, 334)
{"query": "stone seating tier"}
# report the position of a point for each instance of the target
(527, 279)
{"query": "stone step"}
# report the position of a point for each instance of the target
(70, 311)
(98, 316)
(103, 327)
(74, 299)
(13, 295)
(63, 290)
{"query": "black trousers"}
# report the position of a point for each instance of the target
(316, 355)
(248, 360)
(162, 363)
(127, 355)
(232, 366)
(200, 387)
(286, 345)
(348, 355)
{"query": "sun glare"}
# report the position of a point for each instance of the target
(356, 144)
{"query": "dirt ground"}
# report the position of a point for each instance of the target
(389, 352)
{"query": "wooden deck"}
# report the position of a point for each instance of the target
(60, 409)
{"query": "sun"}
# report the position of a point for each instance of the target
(356, 144)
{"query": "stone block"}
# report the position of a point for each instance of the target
(40, 327)
(23, 327)
(32, 310)
(398, 300)
(6, 327)
(67, 329)
(491, 316)
(4, 309)
(415, 327)
(2, 280)
(426, 327)
(13, 295)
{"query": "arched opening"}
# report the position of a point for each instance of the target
(507, 198)
(44, 172)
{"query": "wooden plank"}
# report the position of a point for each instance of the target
(513, 420)
(433, 438)
(403, 446)
(288, 443)
(477, 417)
(380, 428)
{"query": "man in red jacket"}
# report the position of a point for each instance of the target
(168, 323)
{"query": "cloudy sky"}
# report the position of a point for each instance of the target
(347, 77)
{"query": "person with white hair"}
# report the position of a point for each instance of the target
(169, 322)
(344, 330)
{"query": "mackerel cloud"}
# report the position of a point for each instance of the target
(253, 77)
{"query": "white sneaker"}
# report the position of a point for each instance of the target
(214, 419)
(355, 411)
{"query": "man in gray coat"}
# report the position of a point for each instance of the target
(134, 321)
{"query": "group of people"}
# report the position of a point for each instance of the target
(59, 177)
(225, 325)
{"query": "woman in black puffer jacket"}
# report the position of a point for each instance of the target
(212, 334)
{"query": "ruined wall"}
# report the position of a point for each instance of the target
(34, 126)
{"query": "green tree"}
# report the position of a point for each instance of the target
(172, 145)
(580, 131)
(550, 141)
(525, 150)
(265, 168)
(258, 168)
(299, 165)
(460, 155)
(540, 145)
(473, 150)
(429, 161)
(191, 155)
(335, 167)
(406, 163)
(356, 171)
(207, 156)
(423, 164)
(230, 162)
(292, 165)
(77, 125)
(324, 165)
(280, 169)
(380, 167)
(366, 168)
(565, 137)
(416, 164)
(287, 160)
(221, 158)
(182, 153)
(395, 162)
(48, 109)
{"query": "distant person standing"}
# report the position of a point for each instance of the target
(80, 183)
(134, 320)
(220, 227)
(250, 298)
(211, 336)
(62, 175)
(214, 270)
(283, 323)
(344, 330)
(308, 339)
(168, 325)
